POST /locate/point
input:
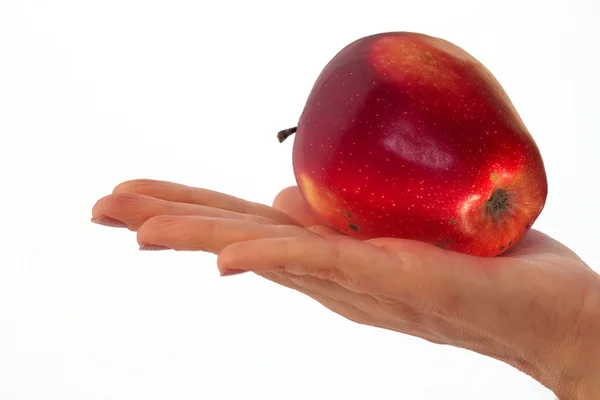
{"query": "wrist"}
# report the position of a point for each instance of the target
(587, 388)
(591, 389)
(579, 378)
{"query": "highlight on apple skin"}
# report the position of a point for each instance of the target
(405, 135)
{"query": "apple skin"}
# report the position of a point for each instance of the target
(408, 136)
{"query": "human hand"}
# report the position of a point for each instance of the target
(535, 307)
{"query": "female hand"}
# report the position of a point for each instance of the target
(536, 307)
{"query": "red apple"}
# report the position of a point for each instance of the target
(408, 136)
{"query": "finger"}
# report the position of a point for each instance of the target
(347, 305)
(413, 293)
(324, 231)
(206, 233)
(291, 202)
(379, 309)
(351, 263)
(428, 279)
(186, 194)
(344, 309)
(336, 275)
(537, 244)
(135, 209)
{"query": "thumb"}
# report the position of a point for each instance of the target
(291, 202)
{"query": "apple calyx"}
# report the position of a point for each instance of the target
(498, 203)
(286, 133)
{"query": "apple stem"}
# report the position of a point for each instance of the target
(286, 133)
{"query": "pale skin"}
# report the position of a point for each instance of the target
(535, 307)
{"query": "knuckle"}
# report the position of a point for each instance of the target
(209, 225)
(155, 229)
(155, 225)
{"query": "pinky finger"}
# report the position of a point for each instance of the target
(346, 309)
(339, 307)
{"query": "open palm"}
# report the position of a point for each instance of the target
(535, 307)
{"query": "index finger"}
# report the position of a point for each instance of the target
(177, 192)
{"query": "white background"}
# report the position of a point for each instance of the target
(96, 92)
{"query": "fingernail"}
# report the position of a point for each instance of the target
(230, 272)
(153, 247)
(108, 221)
